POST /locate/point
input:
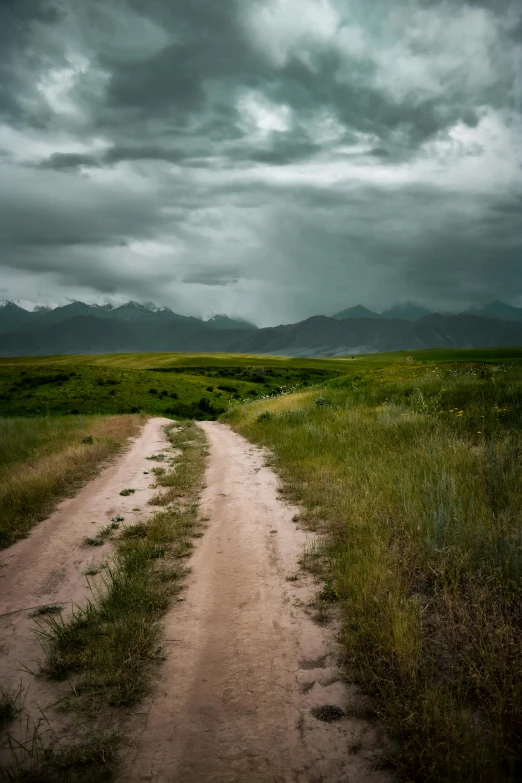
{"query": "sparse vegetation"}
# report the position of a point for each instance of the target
(11, 704)
(46, 609)
(413, 470)
(109, 644)
(92, 760)
(43, 460)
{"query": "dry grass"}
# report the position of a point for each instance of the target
(43, 460)
(417, 484)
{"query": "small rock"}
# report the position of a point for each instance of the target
(117, 518)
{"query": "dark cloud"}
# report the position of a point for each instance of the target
(270, 157)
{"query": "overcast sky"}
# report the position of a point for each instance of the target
(270, 159)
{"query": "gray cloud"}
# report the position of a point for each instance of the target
(274, 158)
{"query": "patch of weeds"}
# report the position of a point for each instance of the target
(46, 609)
(95, 541)
(265, 416)
(328, 593)
(11, 705)
(139, 530)
(88, 440)
(321, 402)
(127, 491)
(93, 760)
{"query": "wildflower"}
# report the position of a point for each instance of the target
(479, 432)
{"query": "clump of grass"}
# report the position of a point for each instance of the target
(47, 609)
(41, 462)
(127, 491)
(92, 760)
(11, 705)
(110, 644)
(95, 541)
(414, 474)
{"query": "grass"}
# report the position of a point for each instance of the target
(11, 704)
(36, 388)
(107, 647)
(412, 469)
(43, 460)
(93, 760)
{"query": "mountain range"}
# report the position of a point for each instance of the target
(134, 327)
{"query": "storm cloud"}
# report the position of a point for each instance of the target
(271, 159)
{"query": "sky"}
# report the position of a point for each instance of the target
(269, 159)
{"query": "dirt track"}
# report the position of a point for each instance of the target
(48, 566)
(245, 663)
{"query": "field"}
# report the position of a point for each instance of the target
(409, 463)
(196, 389)
(411, 466)
(43, 459)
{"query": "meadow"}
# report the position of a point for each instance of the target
(55, 388)
(44, 459)
(411, 467)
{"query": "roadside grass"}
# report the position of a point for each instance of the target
(106, 649)
(92, 760)
(43, 460)
(415, 476)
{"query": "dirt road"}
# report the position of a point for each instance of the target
(48, 567)
(245, 662)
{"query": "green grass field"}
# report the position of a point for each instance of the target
(412, 468)
(198, 389)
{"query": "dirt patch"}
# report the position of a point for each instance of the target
(246, 666)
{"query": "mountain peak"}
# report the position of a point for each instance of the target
(221, 321)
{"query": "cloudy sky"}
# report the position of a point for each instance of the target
(271, 159)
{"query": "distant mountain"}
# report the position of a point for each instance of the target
(409, 311)
(224, 322)
(12, 316)
(359, 311)
(316, 336)
(500, 310)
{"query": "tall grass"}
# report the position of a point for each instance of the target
(44, 459)
(417, 483)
